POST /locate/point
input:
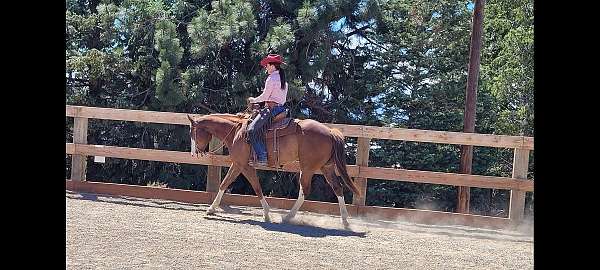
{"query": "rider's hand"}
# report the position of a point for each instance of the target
(251, 100)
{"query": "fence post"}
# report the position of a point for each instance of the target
(79, 162)
(517, 197)
(362, 159)
(213, 176)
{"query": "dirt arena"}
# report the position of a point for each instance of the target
(106, 232)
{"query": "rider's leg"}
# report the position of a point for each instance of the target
(256, 134)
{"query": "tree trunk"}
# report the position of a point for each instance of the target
(466, 151)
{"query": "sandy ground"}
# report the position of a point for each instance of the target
(105, 232)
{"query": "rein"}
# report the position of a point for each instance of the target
(223, 141)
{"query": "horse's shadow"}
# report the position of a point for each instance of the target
(139, 202)
(302, 230)
(299, 229)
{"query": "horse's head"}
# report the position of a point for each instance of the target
(199, 138)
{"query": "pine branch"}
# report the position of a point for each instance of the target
(313, 104)
(203, 106)
(359, 30)
(373, 42)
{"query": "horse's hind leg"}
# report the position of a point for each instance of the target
(305, 182)
(250, 174)
(329, 173)
(231, 175)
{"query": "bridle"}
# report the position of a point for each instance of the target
(202, 153)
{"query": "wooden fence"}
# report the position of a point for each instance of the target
(518, 184)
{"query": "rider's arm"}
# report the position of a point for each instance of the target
(270, 85)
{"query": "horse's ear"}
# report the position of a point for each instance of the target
(191, 120)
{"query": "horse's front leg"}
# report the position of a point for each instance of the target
(250, 174)
(231, 175)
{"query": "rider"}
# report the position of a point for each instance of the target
(274, 96)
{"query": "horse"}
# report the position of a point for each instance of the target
(314, 145)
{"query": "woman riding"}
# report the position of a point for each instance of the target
(273, 96)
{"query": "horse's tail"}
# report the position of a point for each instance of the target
(339, 157)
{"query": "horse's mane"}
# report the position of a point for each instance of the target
(238, 118)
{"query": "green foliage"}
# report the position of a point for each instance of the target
(278, 39)
(228, 21)
(508, 65)
(168, 91)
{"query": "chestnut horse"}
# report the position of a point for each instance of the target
(314, 145)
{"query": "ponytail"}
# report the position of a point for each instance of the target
(281, 76)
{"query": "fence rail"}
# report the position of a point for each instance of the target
(518, 184)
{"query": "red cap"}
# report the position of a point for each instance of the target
(272, 59)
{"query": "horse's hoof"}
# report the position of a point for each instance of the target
(345, 223)
(211, 211)
(267, 219)
(286, 219)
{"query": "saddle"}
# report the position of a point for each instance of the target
(280, 126)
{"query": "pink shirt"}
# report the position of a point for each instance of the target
(272, 90)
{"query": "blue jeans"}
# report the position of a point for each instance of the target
(277, 109)
(258, 128)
